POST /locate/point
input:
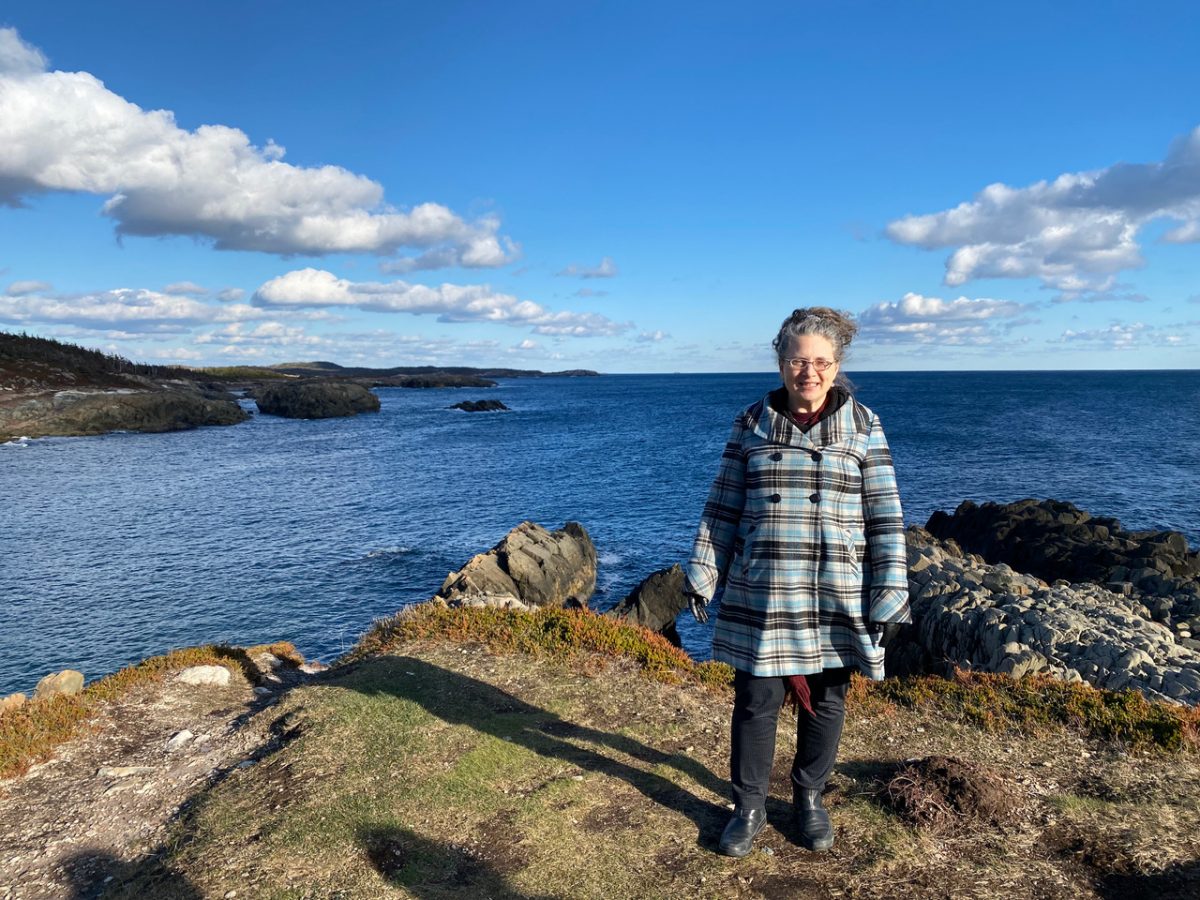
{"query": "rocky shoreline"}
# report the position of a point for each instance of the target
(972, 614)
(969, 612)
(52, 389)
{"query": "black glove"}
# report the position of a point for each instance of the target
(699, 607)
(890, 631)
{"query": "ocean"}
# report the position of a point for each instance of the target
(119, 547)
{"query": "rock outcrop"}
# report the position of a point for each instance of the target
(530, 567)
(88, 411)
(655, 603)
(68, 681)
(976, 615)
(315, 399)
(480, 406)
(1053, 539)
(205, 675)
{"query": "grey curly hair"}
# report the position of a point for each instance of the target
(838, 327)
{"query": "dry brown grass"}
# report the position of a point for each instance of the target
(30, 733)
(445, 767)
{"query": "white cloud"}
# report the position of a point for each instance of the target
(606, 269)
(589, 292)
(526, 344)
(449, 302)
(175, 354)
(123, 308)
(18, 58)
(1075, 232)
(231, 295)
(919, 319)
(652, 336)
(1121, 336)
(65, 131)
(20, 288)
(486, 252)
(1111, 296)
(185, 288)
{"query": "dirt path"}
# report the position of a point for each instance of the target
(106, 799)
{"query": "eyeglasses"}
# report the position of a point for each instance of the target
(799, 362)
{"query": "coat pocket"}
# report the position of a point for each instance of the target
(855, 542)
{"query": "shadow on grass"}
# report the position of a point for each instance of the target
(460, 700)
(91, 875)
(430, 869)
(1178, 882)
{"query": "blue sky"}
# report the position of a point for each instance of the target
(618, 186)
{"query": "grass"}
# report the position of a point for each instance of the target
(988, 701)
(477, 752)
(560, 634)
(998, 703)
(443, 768)
(30, 733)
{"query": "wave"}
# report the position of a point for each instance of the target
(388, 552)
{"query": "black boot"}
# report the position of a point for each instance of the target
(739, 834)
(816, 831)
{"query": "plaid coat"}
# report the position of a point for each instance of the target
(806, 533)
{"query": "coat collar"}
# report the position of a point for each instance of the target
(845, 423)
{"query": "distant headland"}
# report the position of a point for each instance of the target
(51, 388)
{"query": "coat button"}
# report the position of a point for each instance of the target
(777, 456)
(815, 498)
(774, 498)
(816, 456)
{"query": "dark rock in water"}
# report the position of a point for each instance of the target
(1055, 540)
(480, 406)
(315, 399)
(530, 567)
(655, 603)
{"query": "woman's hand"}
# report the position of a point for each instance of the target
(890, 631)
(699, 607)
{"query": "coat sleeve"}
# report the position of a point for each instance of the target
(713, 548)
(884, 531)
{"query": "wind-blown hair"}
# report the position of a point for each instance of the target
(838, 327)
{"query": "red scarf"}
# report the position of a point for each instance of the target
(798, 693)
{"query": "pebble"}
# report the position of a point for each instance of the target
(124, 771)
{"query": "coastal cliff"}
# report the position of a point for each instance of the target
(482, 745)
(52, 389)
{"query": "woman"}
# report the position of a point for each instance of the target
(803, 528)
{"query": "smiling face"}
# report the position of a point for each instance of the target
(807, 388)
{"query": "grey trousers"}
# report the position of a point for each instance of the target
(756, 703)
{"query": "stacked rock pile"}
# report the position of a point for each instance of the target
(970, 613)
(1053, 539)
